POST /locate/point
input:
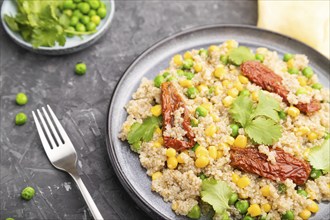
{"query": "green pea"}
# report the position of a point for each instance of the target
(90, 26)
(166, 74)
(244, 92)
(68, 4)
(225, 216)
(180, 72)
(84, 7)
(159, 80)
(91, 13)
(77, 13)
(77, 1)
(282, 188)
(189, 75)
(187, 64)
(201, 111)
(80, 27)
(203, 53)
(20, 118)
(74, 21)
(94, 4)
(293, 71)
(102, 12)
(194, 122)
(317, 86)
(315, 173)
(195, 147)
(192, 92)
(10, 219)
(21, 98)
(171, 78)
(263, 217)
(247, 217)
(260, 57)
(287, 57)
(85, 19)
(102, 5)
(282, 115)
(288, 215)
(224, 59)
(80, 68)
(202, 176)
(327, 136)
(195, 212)
(308, 72)
(70, 29)
(242, 206)
(96, 19)
(302, 192)
(234, 130)
(233, 198)
(301, 91)
(68, 12)
(27, 193)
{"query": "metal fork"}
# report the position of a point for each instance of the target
(61, 152)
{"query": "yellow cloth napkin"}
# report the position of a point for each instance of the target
(305, 20)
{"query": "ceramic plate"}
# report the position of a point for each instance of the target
(125, 162)
(72, 45)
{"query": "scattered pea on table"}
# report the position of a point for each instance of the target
(80, 68)
(27, 193)
(21, 98)
(20, 118)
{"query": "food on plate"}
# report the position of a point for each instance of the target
(20, 118)
(47, 23)
(21, 98)
(233, 133)
(80, 68)
(27, 193)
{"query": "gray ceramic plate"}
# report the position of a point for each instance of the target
(126, 163)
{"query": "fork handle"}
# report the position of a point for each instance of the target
(88, 198)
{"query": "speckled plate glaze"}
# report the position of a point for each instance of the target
(72, 45)
(125, 162)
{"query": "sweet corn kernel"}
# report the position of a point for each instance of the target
(240, 141)
(202, 162)
(312, 136)
(242, 196)
(172, 163)
(243, 182)
(210, 130)
(266, 207)
(243, 79)
(187, 55)
(306, 153)
(156, 110)
(213, 48)
(265, 190)
(217, 90)
(302, 80)
(202, 88)
(201, 151)
(179, 158)
(305, 214)
(227, 101)
(293, 111)
(157, 145)
(233, 92)
(219, 72)
(160, 140)
(177, 59)
(231, 44)
(156, 175)
(303, 130)
(254, 210)
(207, 105)
(290, 63)
(170, 152)
(215, 117)
(235, 177)
(226, 83)
(213, 152)
(238, 86)
(229, 140)
(174, 205)
(186, 83)
(198, 67)
(219, 154)
(158, 130)
(313, 207)
(255, 96)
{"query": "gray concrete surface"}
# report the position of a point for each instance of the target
(81, 102)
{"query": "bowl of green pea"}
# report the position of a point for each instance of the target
(56, 27)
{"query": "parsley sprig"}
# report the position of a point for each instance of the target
(260, 122)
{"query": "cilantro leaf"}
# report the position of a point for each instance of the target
(239, 55)
(319, 157)
(267, 106)
(241, 109)
(11, 22)
(216, 193)
(263, 130)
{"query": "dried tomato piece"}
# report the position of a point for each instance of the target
(172, 101)
(268, 80)
(286, 166)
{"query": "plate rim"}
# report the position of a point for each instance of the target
(139, 200)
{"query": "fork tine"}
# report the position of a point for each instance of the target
(50, 123)
(41, 133)
(59, 126)
(49, 135)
